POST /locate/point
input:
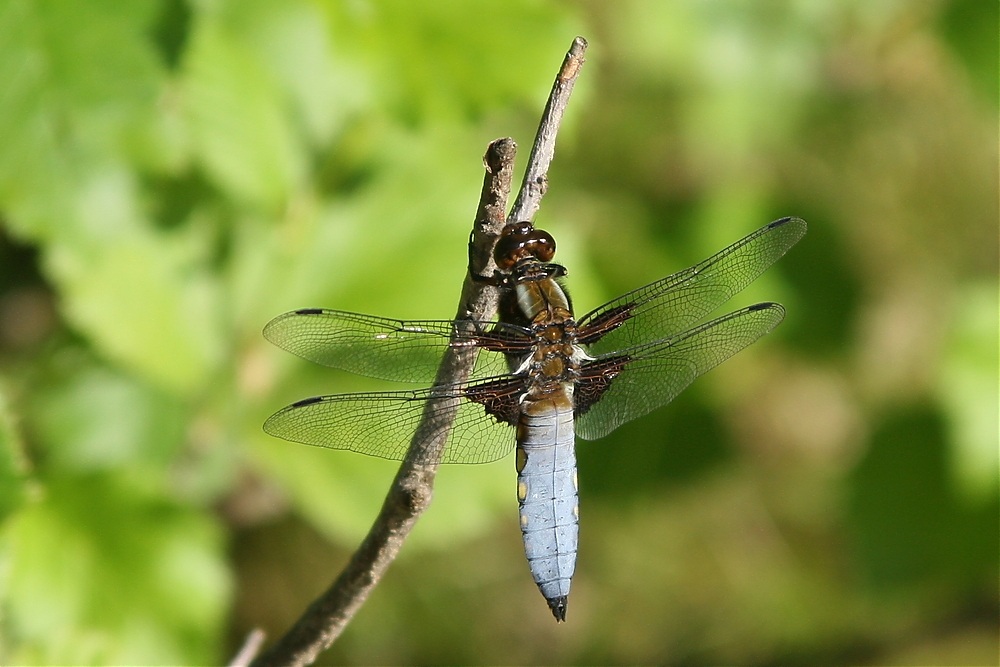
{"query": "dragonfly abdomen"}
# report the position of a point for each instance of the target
(547, 495)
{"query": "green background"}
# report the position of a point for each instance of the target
(173, 174)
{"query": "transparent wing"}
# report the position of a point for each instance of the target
(652, 375)
(404, 351)
(670, 305)
(382, 423)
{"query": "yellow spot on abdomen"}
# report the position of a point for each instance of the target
(520, 459)
(522, 491)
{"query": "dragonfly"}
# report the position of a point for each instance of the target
(541, 378)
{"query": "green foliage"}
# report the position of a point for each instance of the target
(12, 463)
(108, 573)
(175, 173)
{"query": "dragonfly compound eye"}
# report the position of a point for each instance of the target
(520, 241)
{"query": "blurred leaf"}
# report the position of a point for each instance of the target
(103, 576)
(742, 67)
(70, 113)
(970, 29)
(79, 79)
(360, 252)
(436, 62)
(970, 393)
(323, 83)
(92, 419)
(242, 135)
(144, 298)
(12, 468)
(909, 524)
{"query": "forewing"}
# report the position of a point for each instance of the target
(379, 347)
(670, 305)
(652, 375)
(383, 423)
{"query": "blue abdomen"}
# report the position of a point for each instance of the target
(547, 494)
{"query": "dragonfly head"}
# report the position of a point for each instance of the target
(522, 241)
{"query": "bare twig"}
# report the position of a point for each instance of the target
(247, 652)
(536, 180)
(411, 491)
